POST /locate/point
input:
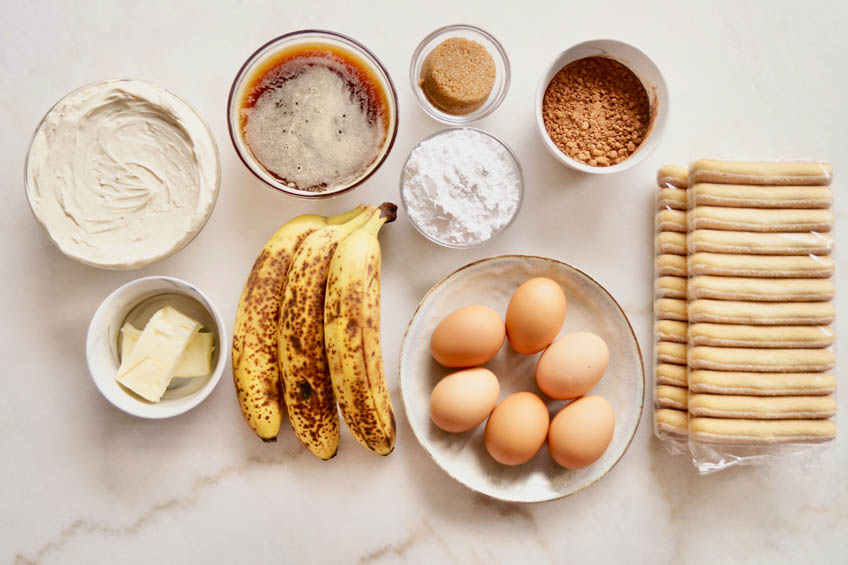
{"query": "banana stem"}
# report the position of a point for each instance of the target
(389, 211)
(344, 217)
(375, 222)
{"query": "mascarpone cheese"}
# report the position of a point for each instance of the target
(122, 173)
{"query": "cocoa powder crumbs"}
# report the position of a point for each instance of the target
(596, 111)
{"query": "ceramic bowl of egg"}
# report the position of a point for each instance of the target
(522, 378)
(313, 113)
(459, 74)
(156, 347)
(601, 106)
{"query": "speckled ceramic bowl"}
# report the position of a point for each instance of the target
(491, 282)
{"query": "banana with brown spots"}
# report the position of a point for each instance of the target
(352, 336)
(256, 374)
(307, 388)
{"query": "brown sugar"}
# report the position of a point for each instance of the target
(596, 111)
(457, 76)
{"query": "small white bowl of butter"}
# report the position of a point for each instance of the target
(156, 347)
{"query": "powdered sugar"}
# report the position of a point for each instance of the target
(461, 187)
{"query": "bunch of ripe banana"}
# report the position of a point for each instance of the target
(307, 333)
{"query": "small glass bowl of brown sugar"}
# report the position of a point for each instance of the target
(602, 106)
(459, 74)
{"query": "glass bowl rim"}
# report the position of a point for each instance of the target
(518, 168)
(356, 46)
(444, 117)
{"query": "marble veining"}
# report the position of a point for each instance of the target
(82, 527)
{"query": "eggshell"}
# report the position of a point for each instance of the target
(466, 337)
(572, 365)
(581, 432)
(462, 400)
(517, 428)
(535, 315)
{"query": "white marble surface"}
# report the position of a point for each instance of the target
(85, 483)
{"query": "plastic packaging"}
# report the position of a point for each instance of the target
(759, 350)
(670, 390)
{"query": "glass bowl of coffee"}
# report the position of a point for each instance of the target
(313, 113)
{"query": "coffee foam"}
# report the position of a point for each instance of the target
(311, 127)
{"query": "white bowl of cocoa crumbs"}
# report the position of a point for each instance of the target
(601, 106)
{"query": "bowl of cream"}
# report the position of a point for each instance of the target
(122, 173)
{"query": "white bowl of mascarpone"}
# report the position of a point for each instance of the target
(122, 173)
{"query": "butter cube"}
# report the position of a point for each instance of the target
(152, 363)
(195, 362)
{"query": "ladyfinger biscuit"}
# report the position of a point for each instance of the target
(671, 220)
(672, 175)
(766, 266)
(760, 172)
(782, 337)
(671, 352)
(671, 330)
(761, 432)
(671, 265)
(759, 384)
(673, 375)
(761, 313)
(671, 287)
(670, 421)
(745, 196)
(672, 397)
(671, 242)
(759, 219)
(673, 198)
(760, 290)
(752, 243)
(756, 407)
(760, 360)
(670, 309)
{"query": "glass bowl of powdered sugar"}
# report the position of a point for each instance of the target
(461, 186)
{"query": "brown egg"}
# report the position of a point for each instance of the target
(517, 428)
(535, 315)
(462, 400)
(572, 365)
(467, 337)
(581, 432)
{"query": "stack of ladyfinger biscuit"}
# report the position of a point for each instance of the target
(670, 324)
(759, 303)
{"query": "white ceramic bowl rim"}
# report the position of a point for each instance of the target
(107, 385)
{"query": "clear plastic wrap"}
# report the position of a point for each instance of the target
(759, 339)
(669, 372)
